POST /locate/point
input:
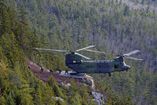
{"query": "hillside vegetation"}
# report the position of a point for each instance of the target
(111, 25)
(18, 85)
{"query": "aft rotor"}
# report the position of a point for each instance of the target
(74, 52)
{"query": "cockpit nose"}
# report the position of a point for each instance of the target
(126, 67)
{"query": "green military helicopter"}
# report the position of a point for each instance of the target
(76, 62)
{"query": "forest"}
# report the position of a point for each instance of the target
(112, 25)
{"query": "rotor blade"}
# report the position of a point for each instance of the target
(95, 51)
(132, 52)
(85, 48)
(52, 50)
(82, 56)
(134, 58)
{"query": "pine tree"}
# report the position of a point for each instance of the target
(76, 99)
(10, 47)
(38, 97)
(47, 96)
(10, 100)
(22, 34)
(53, 84)
(2, 100)
(5, 23)
(34, 39)
(26, 97)
(84, 92)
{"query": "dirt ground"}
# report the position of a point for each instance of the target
(44, 76)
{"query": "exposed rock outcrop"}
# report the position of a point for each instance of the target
(98, 97)
(59, 98)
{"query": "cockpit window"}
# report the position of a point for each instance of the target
(123, 63)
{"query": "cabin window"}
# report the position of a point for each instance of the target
(77, 62)
(74, 61)
(116, 66)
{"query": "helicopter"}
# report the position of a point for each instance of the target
(77, 62)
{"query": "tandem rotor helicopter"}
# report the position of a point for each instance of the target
(76, 62)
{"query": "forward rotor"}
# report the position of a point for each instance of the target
(127, 55)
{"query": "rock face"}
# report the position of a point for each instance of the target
(89, 80)
(59, 98)
(98, 97)
(86, 79)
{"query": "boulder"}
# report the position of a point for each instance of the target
(98, 97)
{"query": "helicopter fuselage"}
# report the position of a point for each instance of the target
(76, 63)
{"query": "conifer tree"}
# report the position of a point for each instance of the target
(38, 97)
(47, 96)
(10, 100)
(53, 84)
(22, 34)
(34, 39)
(2, 100)
(5, 25)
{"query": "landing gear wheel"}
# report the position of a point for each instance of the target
(109, 74)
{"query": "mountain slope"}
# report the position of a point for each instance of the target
(112, 26)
